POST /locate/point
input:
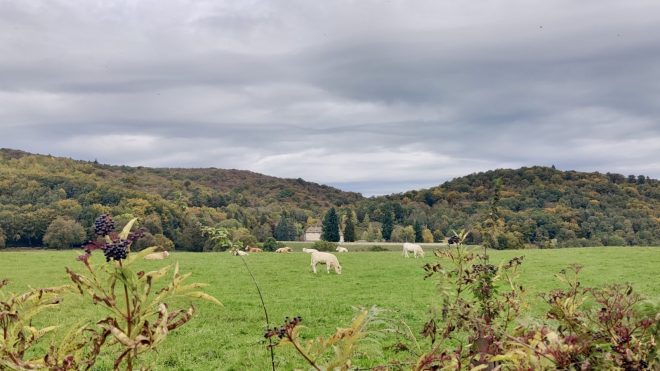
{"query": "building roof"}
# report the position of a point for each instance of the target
(313, 230)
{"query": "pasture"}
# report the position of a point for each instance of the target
(231, 337)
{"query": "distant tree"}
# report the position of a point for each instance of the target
(263, 232)
(388, 226)
(427, 236)
(641, 179)
(373, 233)
(149, 240)
(64, 232)
(3, 239)
(243, 234)
(285, 230)
(418, 232)
(330, 227)
(403, 234)
(349, 229)
(219, 239)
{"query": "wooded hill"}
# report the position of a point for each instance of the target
(537, 205)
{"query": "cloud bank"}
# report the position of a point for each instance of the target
(369, 96)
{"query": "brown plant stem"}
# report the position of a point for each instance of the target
(302, 353)
(129, 319)
(263, 305)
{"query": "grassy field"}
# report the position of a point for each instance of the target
(231, 337)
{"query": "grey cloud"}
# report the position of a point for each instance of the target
(383, 96)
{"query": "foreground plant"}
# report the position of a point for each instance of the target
(479, 302)
(593, 329)
(17, 334)
(139, 318)
(333, 353)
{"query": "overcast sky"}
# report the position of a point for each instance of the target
(369, 96)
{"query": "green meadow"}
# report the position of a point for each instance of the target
(231, 337)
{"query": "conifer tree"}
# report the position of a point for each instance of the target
(349, 229)
(418, 232)
(285, 230)
(330, 228)
(388, 226)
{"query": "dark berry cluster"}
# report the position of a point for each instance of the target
(285, 329)
(103, 225)
(117, 250)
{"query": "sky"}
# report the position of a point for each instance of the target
(376, 97)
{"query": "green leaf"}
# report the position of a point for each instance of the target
(127, 229)
(140, 255)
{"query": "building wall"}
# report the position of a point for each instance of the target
(312, 236)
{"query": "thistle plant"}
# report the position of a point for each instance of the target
(139, 318)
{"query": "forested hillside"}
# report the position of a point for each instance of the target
(36, 189)
(45, 200)
(536, 205)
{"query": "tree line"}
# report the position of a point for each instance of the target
(53, 201)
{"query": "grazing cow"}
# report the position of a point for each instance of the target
(453, 240)
(284, 250)
(341, 249)
(413, 248)
(157, 255)
(326, 258)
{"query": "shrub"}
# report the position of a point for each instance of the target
(148, 240)
(377, 248)
(164, 243)
(324, 246)
(64, 232)
(271, 244)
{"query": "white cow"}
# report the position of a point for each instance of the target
(309, 251)
(341, 249)
(326, 258)
(413, 248)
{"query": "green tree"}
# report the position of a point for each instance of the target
(219, 238)
(388, 226)
(349, 228)
(330, 227)
(64, 232)
(403, 234)
(427, 236)
(285, 230)
(3, 239)
(418, 232)
(372, 234)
